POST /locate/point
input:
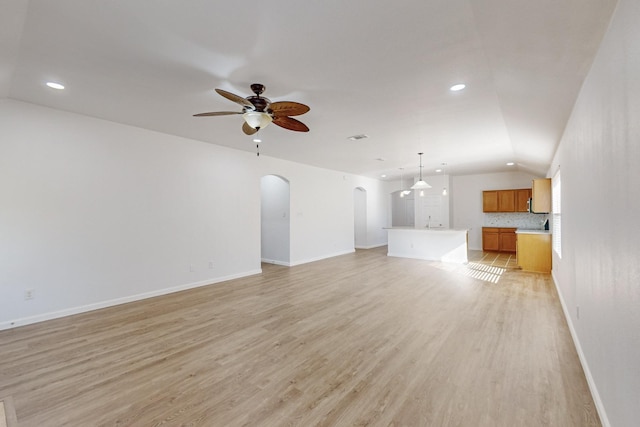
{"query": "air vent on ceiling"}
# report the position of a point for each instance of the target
(357, 137)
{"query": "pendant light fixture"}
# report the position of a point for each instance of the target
(403, 192)
(444, 180)
(420, 185)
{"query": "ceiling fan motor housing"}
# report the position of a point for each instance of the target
(260, 103)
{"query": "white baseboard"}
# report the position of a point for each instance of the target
(320, 258)
(583, 361)
(276, 262)
(110, 303)
(371, 246)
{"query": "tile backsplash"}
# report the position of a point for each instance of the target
(515, 220)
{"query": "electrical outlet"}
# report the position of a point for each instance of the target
(29, 294)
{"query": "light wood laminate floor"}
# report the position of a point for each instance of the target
(360, 339)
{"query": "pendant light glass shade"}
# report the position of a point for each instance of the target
(444, 179)
(420, 185)
(257, 119)
(403, 192)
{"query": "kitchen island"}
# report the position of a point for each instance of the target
(434, 244)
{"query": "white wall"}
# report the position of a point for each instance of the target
(599, 272)
(467, 191)
(94, 213)
(274, 219)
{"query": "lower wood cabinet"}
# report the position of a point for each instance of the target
(499, 239)
(507, 240)
(534, 252)
(490, 239)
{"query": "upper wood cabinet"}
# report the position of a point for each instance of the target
(489, 201)
(541, 195)
(506, 200)
(522, 199)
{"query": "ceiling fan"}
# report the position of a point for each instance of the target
(259, 111)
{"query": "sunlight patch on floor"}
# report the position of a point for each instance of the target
(3, 416)
(486, 273)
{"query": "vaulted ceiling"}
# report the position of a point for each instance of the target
(371, 67)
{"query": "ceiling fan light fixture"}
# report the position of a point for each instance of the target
(257, 119)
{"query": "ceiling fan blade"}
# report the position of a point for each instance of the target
(235, 98)
(216, 113)
(288, 108)
(248, 129)
(291, 124)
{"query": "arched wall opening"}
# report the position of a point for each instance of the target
(275, 221)
(360, 217)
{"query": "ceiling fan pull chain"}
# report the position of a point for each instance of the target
(258, 149)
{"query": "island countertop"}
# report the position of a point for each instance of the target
(457, 230)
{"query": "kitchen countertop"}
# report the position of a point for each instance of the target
(531, 231)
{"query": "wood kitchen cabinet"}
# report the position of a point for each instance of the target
(522, 199)
(490, 201)
(534, 252)
(506, 200)
(507, 240)
(498, 239)
(490, 239)
(541, 195)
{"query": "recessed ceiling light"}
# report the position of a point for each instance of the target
(383, 176)
(457, 87)
(438, 170)
(510, 164)
(54, 85)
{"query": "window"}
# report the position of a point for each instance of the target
(556, 214)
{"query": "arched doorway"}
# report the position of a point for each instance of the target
(360, 217)
(275, 220)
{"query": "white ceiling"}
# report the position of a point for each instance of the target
(370, 67)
